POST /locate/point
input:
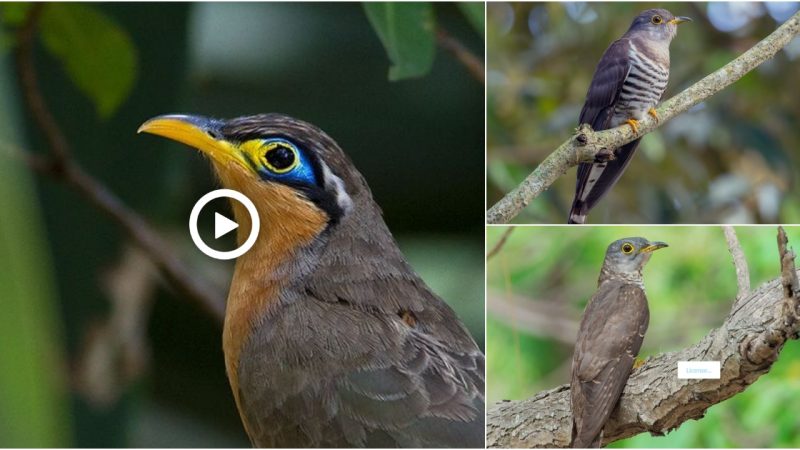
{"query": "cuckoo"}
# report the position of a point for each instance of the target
(609, 337)
(627, 84)
(330, 337)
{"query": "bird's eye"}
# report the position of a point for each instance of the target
(657, 19)
(280, 157)
(627, 248)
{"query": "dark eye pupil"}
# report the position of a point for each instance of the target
(280, 158)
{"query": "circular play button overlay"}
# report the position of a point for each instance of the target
(223, 225)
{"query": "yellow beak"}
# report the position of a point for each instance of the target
(679, 20)
(653, 247)
(195, 131)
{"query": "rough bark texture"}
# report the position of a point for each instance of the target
(655, 400)
(586, 144)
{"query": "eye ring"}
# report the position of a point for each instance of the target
(627, 248)
(658, 20)
(279, 156)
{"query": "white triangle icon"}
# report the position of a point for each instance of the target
(223, 225)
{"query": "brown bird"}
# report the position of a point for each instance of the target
(330, 338)
(609, 338)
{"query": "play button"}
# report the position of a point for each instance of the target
(223, 225)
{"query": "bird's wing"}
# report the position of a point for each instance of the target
(595, 179)
(344, 374)
(610, 336)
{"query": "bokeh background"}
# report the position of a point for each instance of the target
(539, 283)
(731, 159)
(95, 351)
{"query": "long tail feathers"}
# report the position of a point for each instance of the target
(596, 179)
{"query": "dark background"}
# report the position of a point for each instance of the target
(96, 351)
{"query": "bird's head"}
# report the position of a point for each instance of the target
(629, 255)
(298, 178)
(657, 24)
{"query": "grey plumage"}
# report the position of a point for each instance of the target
(629, 80)
(609, 338)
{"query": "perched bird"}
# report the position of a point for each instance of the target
(609, 338)
(628, 83)
(330, 337)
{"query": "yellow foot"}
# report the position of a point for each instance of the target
(653, 113)
(634, 125)
(638, 362)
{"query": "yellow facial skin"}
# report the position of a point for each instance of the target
(288, 221)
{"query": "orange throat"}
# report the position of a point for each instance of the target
(288, 222)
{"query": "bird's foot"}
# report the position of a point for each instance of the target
(638, 362)
(654, 113)
(634, 124)
(604, 155)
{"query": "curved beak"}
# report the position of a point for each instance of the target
(199, 132)
(680, 19)
(653, 247)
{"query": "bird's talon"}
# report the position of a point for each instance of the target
(638, 362)
(634, 124)
(654, 113)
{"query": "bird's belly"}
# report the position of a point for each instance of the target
(641, 91)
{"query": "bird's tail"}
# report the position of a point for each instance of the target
(596, 179)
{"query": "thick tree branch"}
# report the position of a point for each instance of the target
(586, 144)
(655, 400)
(60, 165)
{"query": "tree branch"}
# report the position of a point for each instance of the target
(739, 263)
(655, 400)
(500, 243)
(586, 144)
(60, 165)
(462, 54)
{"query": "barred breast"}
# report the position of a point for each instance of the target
(644, 85)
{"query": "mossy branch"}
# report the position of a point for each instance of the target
(585, 144)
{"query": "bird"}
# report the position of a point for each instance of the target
(628, 83)
(609, 338)
(330, 338)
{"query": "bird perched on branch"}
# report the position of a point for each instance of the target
(330, 337)
(609, 338)
(628, 83)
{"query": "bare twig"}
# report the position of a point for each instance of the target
(654, 399)
(500, 243)
(462, 54)
(542, 319)
(60, 165)
(586, 144)
(739, 263)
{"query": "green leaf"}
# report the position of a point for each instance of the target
(474, 11)
(97, 54)
(14, 14)
(406, 32)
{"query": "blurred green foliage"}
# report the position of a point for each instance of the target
(419, 143)
(33, 398)
(552, 271)
(406, 31)
(731, 159)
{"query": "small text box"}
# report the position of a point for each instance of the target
(698, 370)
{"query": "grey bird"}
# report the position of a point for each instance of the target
(628, 83)
(609, 338)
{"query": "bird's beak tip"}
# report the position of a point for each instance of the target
(654, 246)
(680, 19)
